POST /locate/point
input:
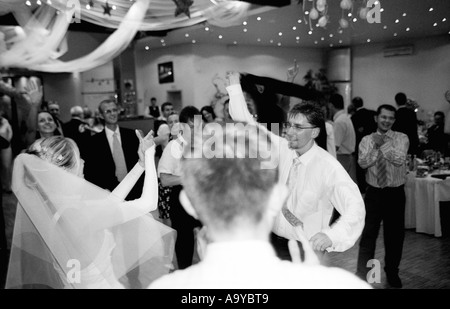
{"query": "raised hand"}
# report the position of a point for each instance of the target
(145, 143)
(378, 139)
(292, 72)
(34, 92)
(233, 78)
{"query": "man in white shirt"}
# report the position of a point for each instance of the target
(237, 200)
(344, 135)
(318, 184)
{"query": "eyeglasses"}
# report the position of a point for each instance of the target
(297, 127)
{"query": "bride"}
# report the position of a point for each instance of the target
(69, 233)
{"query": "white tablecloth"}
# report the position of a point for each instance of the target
(422, 203)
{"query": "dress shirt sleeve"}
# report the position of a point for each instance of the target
(347, 200)
(238, 106)
(368, 154)
(168, 162)
(339, 132)
(396, 149)
(331, 144)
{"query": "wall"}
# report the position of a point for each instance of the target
(423, 76)
(196, 65)
(66, 88)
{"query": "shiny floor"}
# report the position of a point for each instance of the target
(425, 263)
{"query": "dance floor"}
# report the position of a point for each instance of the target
(425, 263)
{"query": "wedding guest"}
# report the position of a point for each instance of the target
(406, 122)
(208, 114)
(383, 155)
(437, 139)
(53, 108)
(237, 201)
(316, 180)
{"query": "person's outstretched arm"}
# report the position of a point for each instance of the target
(149, 198)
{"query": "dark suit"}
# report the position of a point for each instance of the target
(75, 129)
(99, 165)
(364, 123)
(406, 122)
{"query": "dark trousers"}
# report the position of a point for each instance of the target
(387, 205)
(184, 224)
(3, 246)
(280, 244)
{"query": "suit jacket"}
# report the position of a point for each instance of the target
(364, 123)
(99, 165)
(75, 130)
(406, 122)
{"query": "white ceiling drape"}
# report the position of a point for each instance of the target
(40, 40)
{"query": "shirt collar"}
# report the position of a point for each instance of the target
(339, 113)
(307, 156)
(389, 133)
(110, 132)
(248, 250)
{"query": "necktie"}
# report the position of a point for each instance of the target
(119, 158)
(381, 171)
(292, 183)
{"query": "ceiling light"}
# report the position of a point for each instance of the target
(38, 2)
(194, 41)
(186, 35)
(444, 20)
(298, 42)
(407, 29)
(28, 3)
(381, 10)
(331, 35)
(431, 9)
(299, 21)
(306, 12)
(280, 33)
(245, 30)
(355, 20)
(397, 21)
(271, 41)
(164, 44)
(349, 14)
(259, 40)
(220, 37)
(309, 32)
(315, 42)
(385, 27)
(235, 43)
(340, 41)
(162, 40)
(368, 40)
(244, 23)
(88, 6)
(322, 38)
(395, 34)
(206, 28)
(404, 14)
(331, 45)
(297, 38)
(294, 28)
(147, 48)
(435, 24)
(114, 7)
(258, 18)
(279, 44)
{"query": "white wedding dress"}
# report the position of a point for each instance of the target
(71, 234)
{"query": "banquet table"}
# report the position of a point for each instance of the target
(422, 211)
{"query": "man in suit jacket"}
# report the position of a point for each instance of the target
(100, 167)
(406, 122)
(76, 129)
(364, 123)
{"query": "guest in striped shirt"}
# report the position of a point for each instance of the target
(383, 155)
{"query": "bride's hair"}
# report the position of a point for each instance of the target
(56, 150)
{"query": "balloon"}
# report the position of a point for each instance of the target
(343, 23)
(314, 14)
(346, 4)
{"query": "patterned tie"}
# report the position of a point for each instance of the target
(292, 183)
(119, 158)
(382, 178)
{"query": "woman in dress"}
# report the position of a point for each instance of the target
(71, 234)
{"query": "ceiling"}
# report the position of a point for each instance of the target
(288, 26)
